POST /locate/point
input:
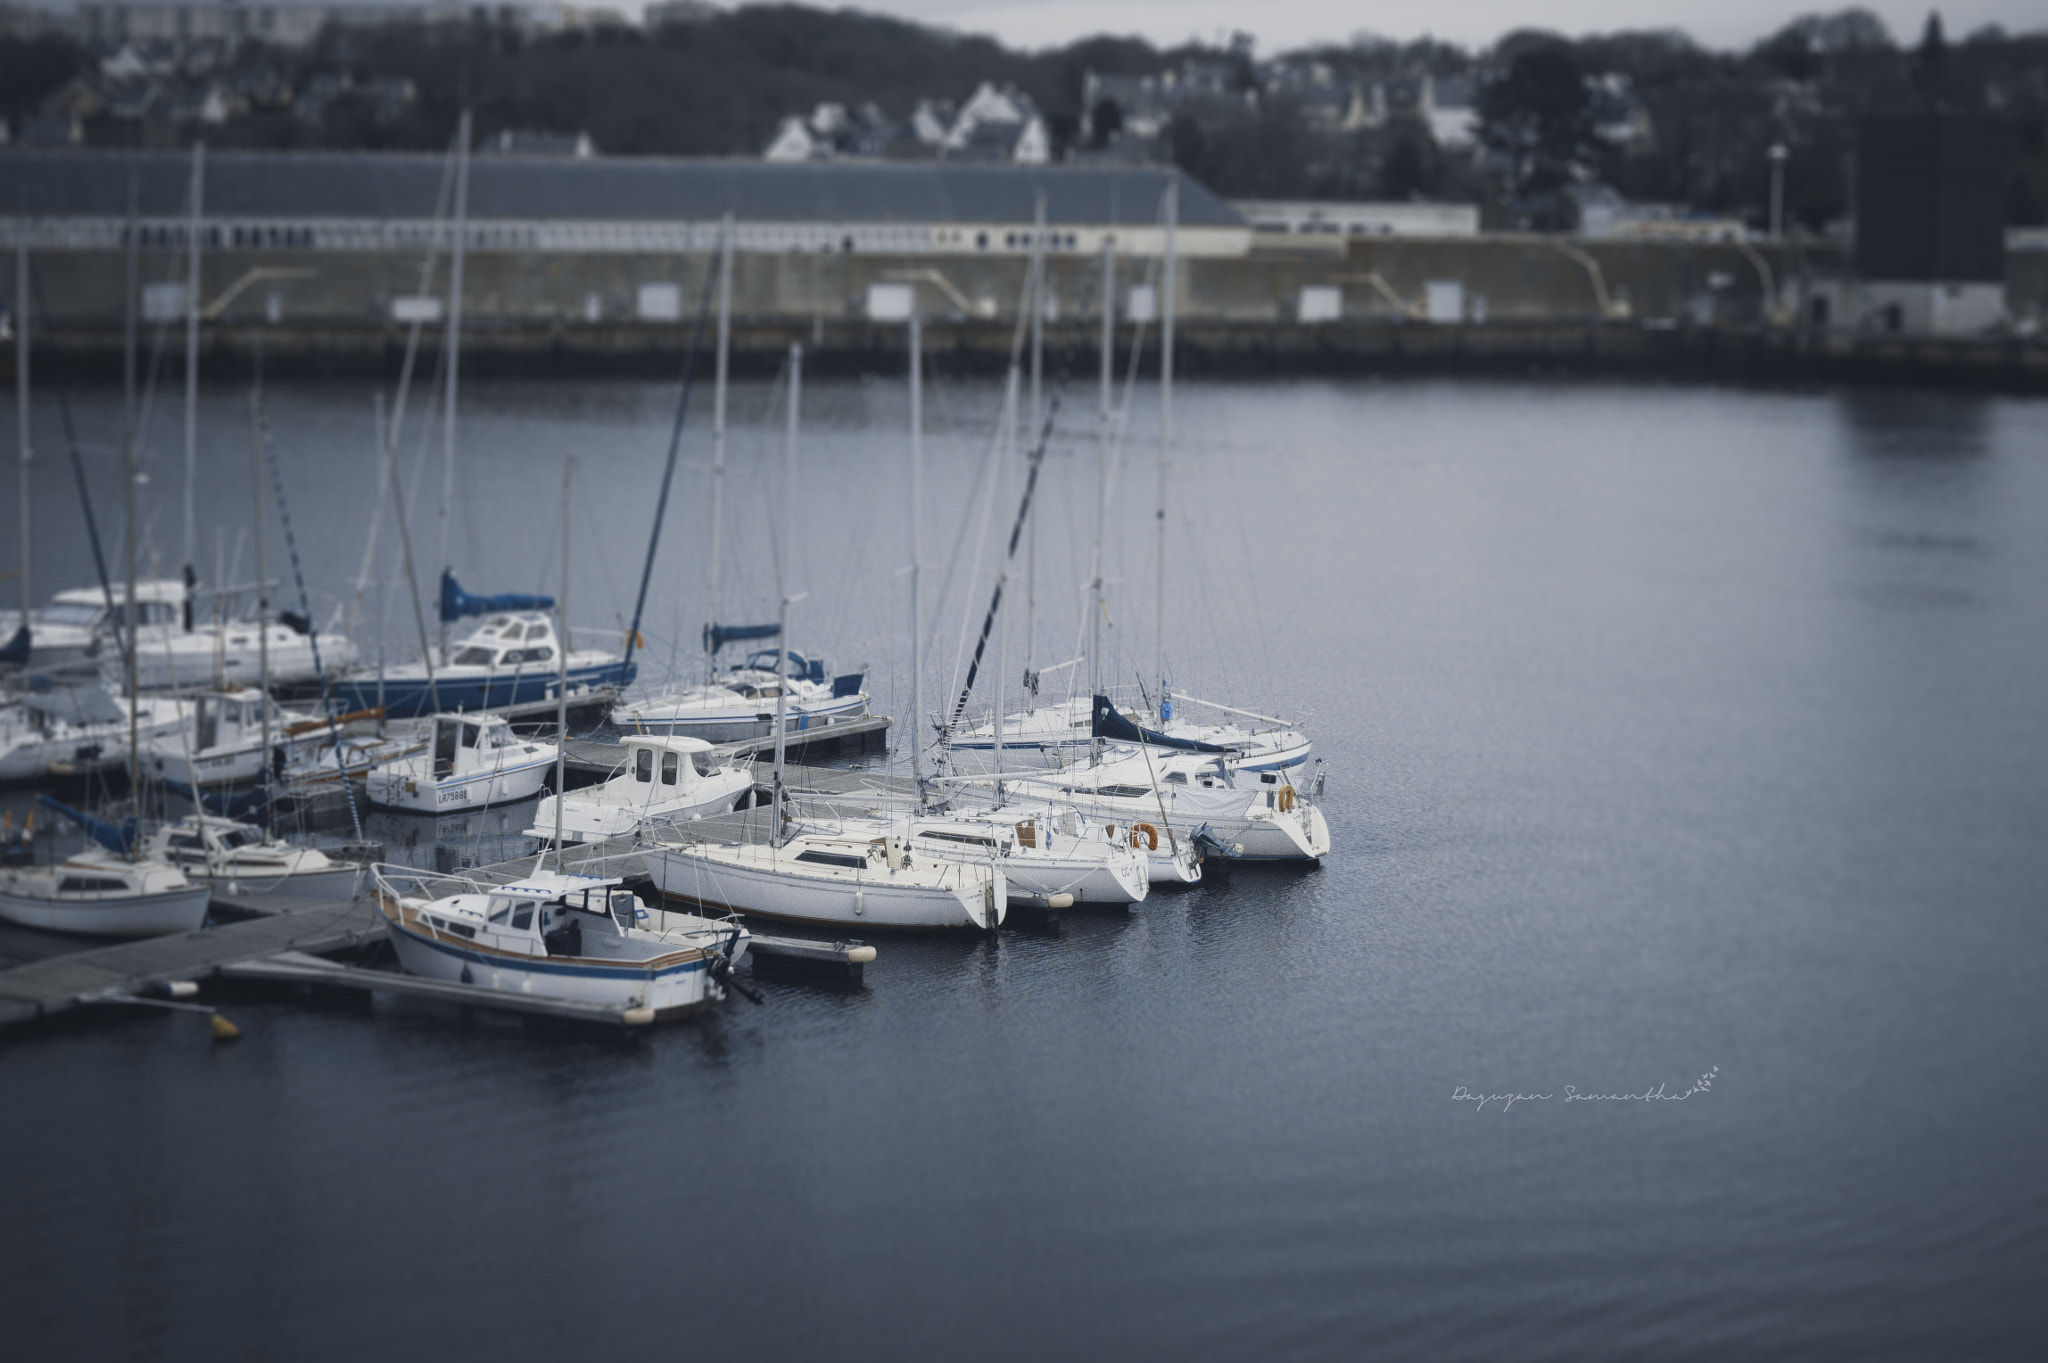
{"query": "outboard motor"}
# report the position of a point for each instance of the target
(1217, 856)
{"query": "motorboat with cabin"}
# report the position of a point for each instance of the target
(475, 761)
(562, 936)
(508, 659)
(664, 778)
(79, 623)
(245, 857)
(740, 704)
(220, 740)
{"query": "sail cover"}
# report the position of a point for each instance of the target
(1111, 725)
(115, 839)
(456, 603)
(718, 636)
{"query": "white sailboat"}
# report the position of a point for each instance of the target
(824, 875)
(101, 893)
(109, 891)
(243, 857)
(77, 731)
(662, 780)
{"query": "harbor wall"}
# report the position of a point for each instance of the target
(1371, 305)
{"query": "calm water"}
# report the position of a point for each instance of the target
(1671, 732)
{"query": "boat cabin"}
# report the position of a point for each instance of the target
(233, 717)
(549, 915)
(519, 641)
(160, 607)
(673, 764)
(473, 735)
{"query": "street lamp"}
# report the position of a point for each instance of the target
(1778, 154)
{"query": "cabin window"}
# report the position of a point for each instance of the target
(536, 631)
(501, 913)
(474, 657)
(186, 842)
(68, 613)
(1176, 778)
(91, 883)
(643, 765)
(237, 837)
(669, 762)
(522, 917)
(540, 655)
(700, 762)
(834, 859)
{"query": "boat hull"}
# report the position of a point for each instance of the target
(406, 697)
(672, 991)
(404, 788)
(872, 901)
(144, 915)
(731, 725)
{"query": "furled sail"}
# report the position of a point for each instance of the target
(1111, 725)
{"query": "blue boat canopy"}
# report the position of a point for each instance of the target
(456, 603)
(718, 636)
(1109, 724)
(119, 839)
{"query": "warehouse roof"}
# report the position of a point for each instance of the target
(628, 189)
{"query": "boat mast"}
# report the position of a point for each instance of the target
(1104, 422)
(718, 429)
(562, 670)
(782, 572)
(21, 422)
(262, 581)
(1037, 296)
(192, 352)
(916, 505)
(1167, 283)
(454, 348)
(132, 474)
(1003, 639)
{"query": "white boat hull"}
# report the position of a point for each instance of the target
(732, 725)
(114, 915)
(671, 990)
(405, 786)
(869, 900)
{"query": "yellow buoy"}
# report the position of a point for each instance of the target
(223, 1030)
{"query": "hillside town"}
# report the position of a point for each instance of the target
(1628, 133)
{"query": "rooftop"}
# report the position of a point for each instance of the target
(383, 185)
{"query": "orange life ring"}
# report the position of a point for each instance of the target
(1148, 832)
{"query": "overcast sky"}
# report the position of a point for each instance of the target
(1282, 24)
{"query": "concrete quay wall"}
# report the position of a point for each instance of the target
(1525, 301)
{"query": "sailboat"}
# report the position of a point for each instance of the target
(733, 704)
(818, 872)
(112, 890)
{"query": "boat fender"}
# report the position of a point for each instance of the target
(223, 1030)
(1059, 901)
(1148, 833)
(860, 903)
(637, 1017)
